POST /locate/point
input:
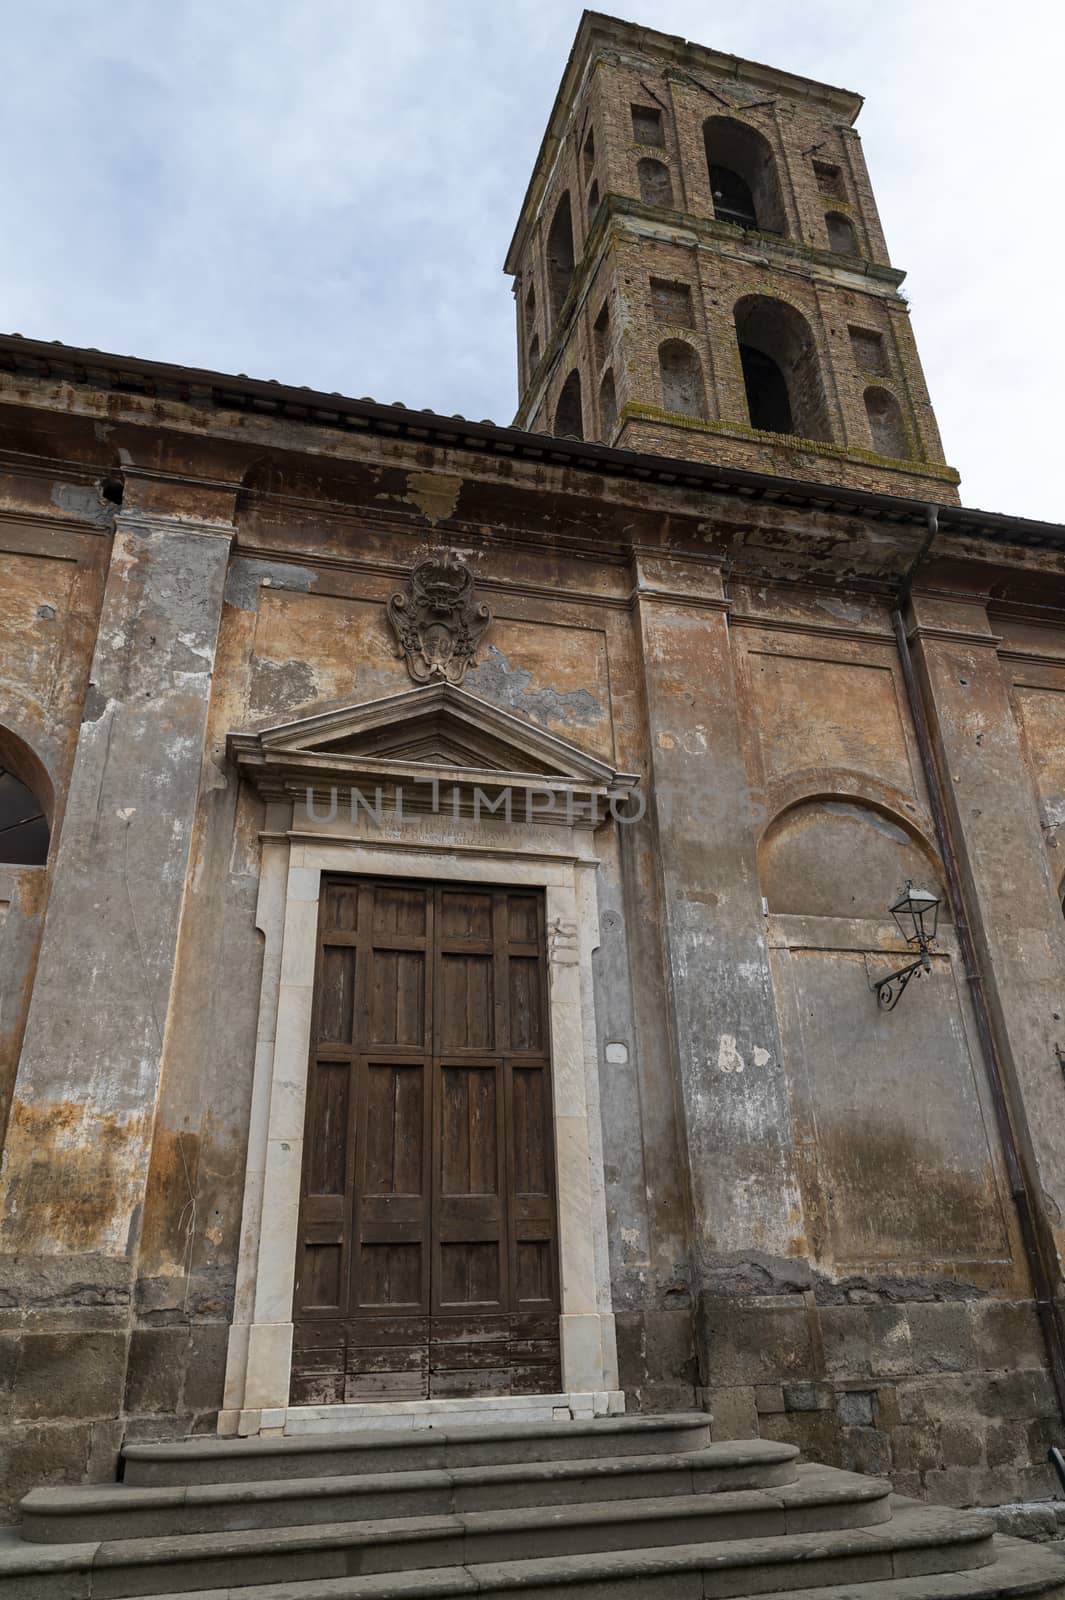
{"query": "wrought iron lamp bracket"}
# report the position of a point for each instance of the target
(889, 989)
(922, 910)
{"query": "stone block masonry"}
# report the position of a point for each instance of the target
(950, 1399)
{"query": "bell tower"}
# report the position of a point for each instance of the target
(700, 271)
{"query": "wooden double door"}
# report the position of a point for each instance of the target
(428, 1249)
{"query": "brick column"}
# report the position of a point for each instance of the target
(745, 1198)
(1013, 905)
(76, 1161)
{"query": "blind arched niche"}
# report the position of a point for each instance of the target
(889, 1113)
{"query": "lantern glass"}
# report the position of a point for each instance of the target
(916, 914)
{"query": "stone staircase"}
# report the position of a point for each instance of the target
(641, 1506)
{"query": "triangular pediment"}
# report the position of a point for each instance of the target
(438, 727)
(434, 738)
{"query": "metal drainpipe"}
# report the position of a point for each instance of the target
(1042, 1283)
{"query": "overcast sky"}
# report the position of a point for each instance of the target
(322, 191)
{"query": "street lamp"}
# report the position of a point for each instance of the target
(916, 914)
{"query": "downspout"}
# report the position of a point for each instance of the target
(1041, 1277)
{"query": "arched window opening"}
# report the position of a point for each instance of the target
(589, 153)
(24, 829)
(885, 424)
(781, 371)
(733, 201)
(656, 186)
(841, 236)
(743, 176)
(608, 407)
(569, 420)
(593, 199)
(682, 379)
(530, 311)
(534, 352)
(560, 256)
(768, 401)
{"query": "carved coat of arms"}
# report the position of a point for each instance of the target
(438, 620)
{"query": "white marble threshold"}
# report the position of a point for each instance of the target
(508, 1410)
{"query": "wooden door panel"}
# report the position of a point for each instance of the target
(336, 994)
(467, 1001)
(469, 1229)
(525, 1002)
(322, 1287)
(323, 1279)
(395, 1132)
(399, 1373)
(386, 1358)
(469, 1133)
(428, 1255)
(390, 1260)
(318, 1353)
(398, 998)
(327, 1158)
(389, 1275)
(470, 1275)
(466, 917)
(531, 1131)
(340, 904)
(532, 1208)
(401, 910)
(396, 1004)
(523, 919)
(533, 1272)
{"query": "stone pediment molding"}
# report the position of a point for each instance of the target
(433, 740)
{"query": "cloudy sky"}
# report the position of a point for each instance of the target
(322, 191)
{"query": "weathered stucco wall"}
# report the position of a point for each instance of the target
(885, 1340)
(55, 536)
(809, 1225)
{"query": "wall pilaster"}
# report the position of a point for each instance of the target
(1012, 900)
(729, 1061)
(78, 1147)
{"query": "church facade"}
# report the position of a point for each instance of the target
(449, 869)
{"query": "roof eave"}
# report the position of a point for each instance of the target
(162, 380)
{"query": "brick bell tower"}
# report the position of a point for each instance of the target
(700, 272)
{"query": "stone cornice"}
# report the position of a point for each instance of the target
(679, 597)
(1030, 658)
(156, 522)
(757, 249)
(967, 636)
(812, 630)
(55, 377)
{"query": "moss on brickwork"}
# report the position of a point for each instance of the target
(633, 411)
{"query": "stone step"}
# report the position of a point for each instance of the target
(1019, 1569)
(518, 1554)
(119, 1511)
(213, 1460)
